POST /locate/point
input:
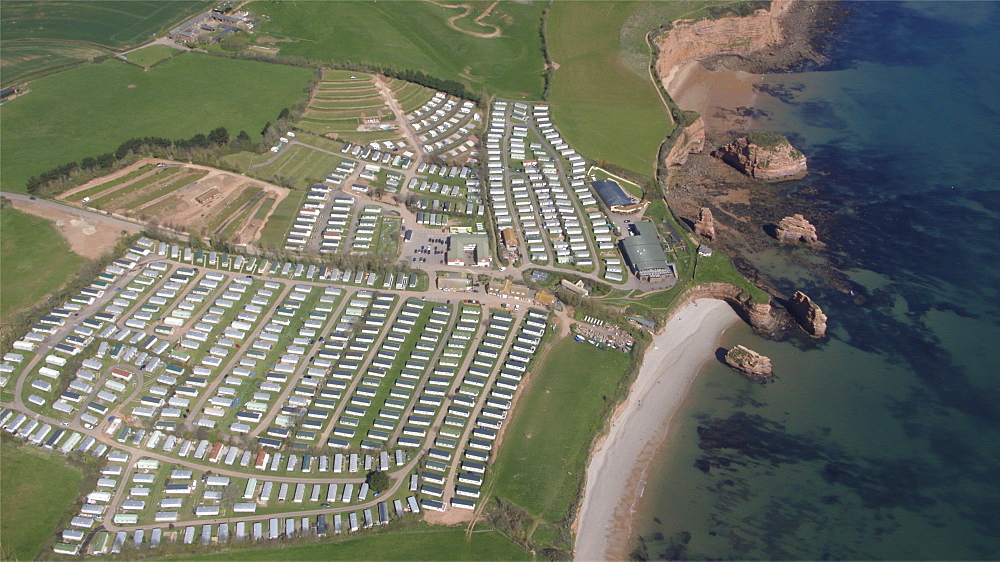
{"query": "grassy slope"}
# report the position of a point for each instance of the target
(415, 35)
(604, 109)
(542, 473)
(27, 275)
(417, 543)
(91, 110)
(273, 235)
(51, 486)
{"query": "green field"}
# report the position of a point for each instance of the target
(58, 123)
(273, 235)
(24, 60)
(604, 110)
(541, 463)
(37, 489)
(148, 56)
(42, 37)
(415, 35)
(297, 166)
(419, 542)
(35, 260)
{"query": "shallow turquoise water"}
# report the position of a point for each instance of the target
(883, 440)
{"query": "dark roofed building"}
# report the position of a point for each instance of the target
(644, 254)
(615, 197)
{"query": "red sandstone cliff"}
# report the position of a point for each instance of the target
(775, 160)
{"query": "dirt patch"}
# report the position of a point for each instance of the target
(131, 86)
(89, 237)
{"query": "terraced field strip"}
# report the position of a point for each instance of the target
(107, 201)
(235, 204)
(232, 227)
(264, 208)
(186, 179)
(80, 195)
(239, 208)
(273, 235)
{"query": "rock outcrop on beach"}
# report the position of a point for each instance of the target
(755, 366)
(796, 229)
(690, 140)
(764, 156)
(808, 314)
(705, 225)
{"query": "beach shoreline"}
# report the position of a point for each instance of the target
(621, 460)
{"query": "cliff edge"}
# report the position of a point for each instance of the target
(753, 365)
(764, 156)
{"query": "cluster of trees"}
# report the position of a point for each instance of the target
(199, 148)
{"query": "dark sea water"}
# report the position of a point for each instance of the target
(881, 441)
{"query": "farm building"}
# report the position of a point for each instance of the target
(644, 254)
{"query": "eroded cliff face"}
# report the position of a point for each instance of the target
(758, 315)
(776, 161)
(752, 364)
(808, 314)
(796, 229)
(690, 141)
(693, 41)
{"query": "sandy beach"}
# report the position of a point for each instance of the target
(617, 471)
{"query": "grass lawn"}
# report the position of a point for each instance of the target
(24, 60)
(27, 273)
(543, 457)
(603, 108)
(416, 542)
(177, 99)
(51, 485)
(415, 35)
(148, 56)
(273, 235)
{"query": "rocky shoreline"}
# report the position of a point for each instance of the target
(740, 214)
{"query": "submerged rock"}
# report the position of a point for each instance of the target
(808, 314)
(755, 366)
(705, 225)
(764, 156)
(796, 229)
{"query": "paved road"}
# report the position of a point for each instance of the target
(120, 223)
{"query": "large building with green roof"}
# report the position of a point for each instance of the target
(644, 254)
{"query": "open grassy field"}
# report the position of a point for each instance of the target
(35, 260)
(298, 166)
(58, 123)
(416, 35)
(41, 37)
(543, 457)
(273, 235)
(36, 490)
(148, 56)
(618, 117)
(417, 542)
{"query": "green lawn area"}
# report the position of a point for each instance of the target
(148, 56)
(273, 235)
(37, 489)
(35, 260)
(415, 35)
(543, 457)
(417, 542)
(190, 94)
(42, 37)
(604, 109)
